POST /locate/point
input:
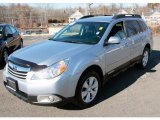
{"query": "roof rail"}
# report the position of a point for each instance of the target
(126, 16)
(115, 16)
(88, 16)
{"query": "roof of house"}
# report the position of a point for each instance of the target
(76, 14)
(151, 13)
(122, 12)
(155, 13)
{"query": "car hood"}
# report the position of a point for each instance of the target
(49, 52)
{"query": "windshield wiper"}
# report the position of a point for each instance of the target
(71, 41)
(50, 39)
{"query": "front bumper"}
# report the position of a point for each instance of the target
(37, 91)
(34, 99)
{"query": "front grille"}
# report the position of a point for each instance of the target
(17, 71)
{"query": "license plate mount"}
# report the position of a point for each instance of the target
(12, 84)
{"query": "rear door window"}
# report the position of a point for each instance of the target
(132, 27)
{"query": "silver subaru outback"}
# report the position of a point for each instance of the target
(75, 63)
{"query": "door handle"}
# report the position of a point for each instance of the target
(125, 45)
(142, 38)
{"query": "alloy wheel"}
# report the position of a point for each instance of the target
(89, 89)
(145, 58)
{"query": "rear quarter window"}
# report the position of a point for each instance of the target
(143, 25)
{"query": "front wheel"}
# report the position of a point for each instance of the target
(5, 56)
(21, 44)
(87, 89)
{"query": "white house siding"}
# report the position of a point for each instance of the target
(153, 19)
(75, 16)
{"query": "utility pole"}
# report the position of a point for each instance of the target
(121, 6)
(113, 7)
(89, 5)
(86, 9)
(30, 20)
(12, 22)
(45, 18)
(41, 22)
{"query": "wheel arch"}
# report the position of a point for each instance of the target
(5, 48)
(2, 53)
(21, 40)
(95, 68)
(149, 47)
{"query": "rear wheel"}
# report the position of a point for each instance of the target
(145, 57)
(88, 89)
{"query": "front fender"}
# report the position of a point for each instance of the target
(85, 63)
(79, 65)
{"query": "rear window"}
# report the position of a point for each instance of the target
(142, 25)
(13, 29)
(132, 27)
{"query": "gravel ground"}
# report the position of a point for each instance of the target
(132, 93)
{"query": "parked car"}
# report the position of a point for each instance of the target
(10, 40)
(32, 32)
(77, 61)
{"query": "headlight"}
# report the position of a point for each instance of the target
(51, 72)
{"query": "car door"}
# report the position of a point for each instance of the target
(16, 37)
(8, 38)
(117, 54)
(134, 34)
(145, 33)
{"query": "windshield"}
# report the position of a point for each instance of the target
(82, 32)
(1, 32)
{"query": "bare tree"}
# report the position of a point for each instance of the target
(28, 16)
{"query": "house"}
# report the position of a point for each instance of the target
(75, 16)
(152, 19)
(122, 12)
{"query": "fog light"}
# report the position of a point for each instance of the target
(51, 98)
(48, 99)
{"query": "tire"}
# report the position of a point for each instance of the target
(5, 57)
(21, 44)
(87, 90)
(145, 58)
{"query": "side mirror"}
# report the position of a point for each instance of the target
(114, 40)
(9, 35)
